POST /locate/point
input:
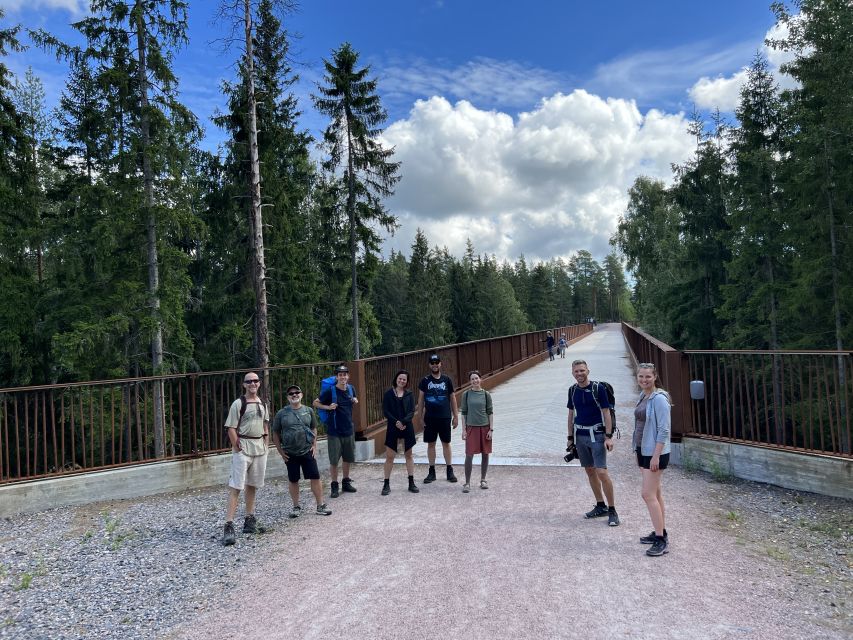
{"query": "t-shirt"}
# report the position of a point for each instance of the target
(639, 421)
(295, 428)
(437, 392)
(252, 424)
(341, 424)
(476, 407)
(587, 413)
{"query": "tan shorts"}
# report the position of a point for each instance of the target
(341, 447)
(247, 470)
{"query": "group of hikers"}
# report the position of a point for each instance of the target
(591, 427)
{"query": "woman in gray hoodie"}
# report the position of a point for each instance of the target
(652, 426)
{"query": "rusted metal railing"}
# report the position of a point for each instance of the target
(53, 430)
(796, 400)
(785, 399)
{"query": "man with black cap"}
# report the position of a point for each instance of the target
(294, 432)
(436, 405)
(340, 434)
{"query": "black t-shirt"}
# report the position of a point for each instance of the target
(437, 392)
(342, 424)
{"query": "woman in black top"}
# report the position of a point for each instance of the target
(398, 405)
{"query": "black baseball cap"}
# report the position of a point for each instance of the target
(341, 368)
(435, 358)
(292, 387)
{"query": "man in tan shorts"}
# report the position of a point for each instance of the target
(248, 425)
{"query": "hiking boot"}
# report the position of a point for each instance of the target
(612, 518)
(659, 547)
(250, 524)
(323, 510)
(412, 487)
(335, 493)
(296, 511)
(451, 477)
(386, 488)
(346, 486)
(650, 539)
(229, 538)
(598, 511)
(430, 476)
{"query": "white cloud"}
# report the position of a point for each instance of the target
(74, 7)
(546, 184)
(723, 92)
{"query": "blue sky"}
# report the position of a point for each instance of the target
(519, 125)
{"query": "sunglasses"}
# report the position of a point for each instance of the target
(255, 381)
(295, 393)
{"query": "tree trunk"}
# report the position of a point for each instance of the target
(148, 207)
(259, 275)
(356, 342)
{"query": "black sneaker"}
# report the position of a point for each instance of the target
(598, 511)
(659, 547)
(412, 486)
(346, 486)
(430, 476)
(612, 518)
(296, 511)
(250, 525)
(335, 493)
(229, 537)
(451, 477)
(386, 488)
(650, 539)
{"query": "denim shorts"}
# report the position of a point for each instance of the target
(591, 453)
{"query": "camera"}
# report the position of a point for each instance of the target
(571, 453)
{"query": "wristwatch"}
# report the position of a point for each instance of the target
(608, 435)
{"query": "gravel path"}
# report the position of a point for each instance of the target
(747, 561)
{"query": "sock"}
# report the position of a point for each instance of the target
(432, 468)
(411, 478)
(600, 504)
(611, 509)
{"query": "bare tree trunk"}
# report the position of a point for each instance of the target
(836, 305)
(259, 279)
(153, 269)
(356, 342)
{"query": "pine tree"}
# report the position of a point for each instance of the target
(349, 99)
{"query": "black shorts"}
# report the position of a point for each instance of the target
(307, 464)
(435, 428)
(645, 461)
(393, 435)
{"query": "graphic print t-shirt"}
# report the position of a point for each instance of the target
(436, 396)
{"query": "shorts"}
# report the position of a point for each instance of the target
(393, 435)
(435, 428)
(476, 440)
(341, 447)
(307, 464)
(645, 461)
(247, 470)
(591, 453)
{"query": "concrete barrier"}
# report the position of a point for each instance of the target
(826, 475)
(140, 480)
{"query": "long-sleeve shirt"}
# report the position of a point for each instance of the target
(394, 408)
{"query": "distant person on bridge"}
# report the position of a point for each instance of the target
(561, 345)
(549, 342)
(398, 405)
(248, 425)
(478, 425)
(590, 427)
(340, 432)
(652, 426)
(294, 433)
(436, 406)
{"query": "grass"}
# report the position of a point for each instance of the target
(690, 463)
(719, 474)
(26, 581)
(828, 529)
(115, 538)
(733, 516)
(778, 553)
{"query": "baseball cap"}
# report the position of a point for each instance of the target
(293, 386)
(341, 368)
(435, 358)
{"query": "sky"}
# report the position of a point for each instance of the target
(518, 125)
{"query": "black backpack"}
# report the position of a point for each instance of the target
(611, 398)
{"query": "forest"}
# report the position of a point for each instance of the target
(126, 249)
(751, 244)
